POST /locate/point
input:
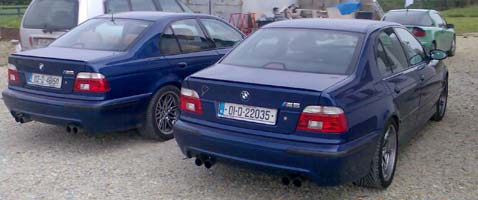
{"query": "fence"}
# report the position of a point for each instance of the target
(12, 10)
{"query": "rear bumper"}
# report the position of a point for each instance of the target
(325, 164)
(93, 116)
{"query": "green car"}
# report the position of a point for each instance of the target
(428, 26)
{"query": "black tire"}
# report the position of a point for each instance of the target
(441, 104)
(452, 51)
(160, 118)
(378, 176)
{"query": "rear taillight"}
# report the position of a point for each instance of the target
(91, 82)
(418, 32)
(13, 74)
(322, 119)
(190, 101)
(30, 40)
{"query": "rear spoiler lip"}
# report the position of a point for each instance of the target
(16, 56)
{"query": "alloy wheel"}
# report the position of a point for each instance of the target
(167, 112)
(389, 153)
(442, 102)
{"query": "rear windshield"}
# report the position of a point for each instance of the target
(302, 50)
(409, 18)
(103, 34)
(55, 15)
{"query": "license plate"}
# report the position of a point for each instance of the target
(45, 80)
(248, 113)
(44, 42)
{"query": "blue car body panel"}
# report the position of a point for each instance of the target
(133, 75)
(369, 101)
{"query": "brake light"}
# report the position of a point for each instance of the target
(190, 101)
(30, 40)
(13, 74)
(418, 32)
(91, 82)
(322, 119)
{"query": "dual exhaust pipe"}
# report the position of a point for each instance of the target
(20, 118)
(292, 179)
(72, 129)
(208, 161)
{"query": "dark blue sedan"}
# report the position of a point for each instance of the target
(116, 72)
(329, 100)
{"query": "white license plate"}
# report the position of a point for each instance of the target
(45, 80)
(248, 113)
(44, 42)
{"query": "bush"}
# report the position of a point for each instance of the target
(15, 2)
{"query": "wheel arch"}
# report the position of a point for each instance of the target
(166, 81)
(394, 119)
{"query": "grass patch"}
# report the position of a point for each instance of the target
(464, 24)
(471, 11)
(10, 21)
(464, 19)
(10, 17)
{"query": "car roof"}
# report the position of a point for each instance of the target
(412, 10)
(351, 25)
(152, 15)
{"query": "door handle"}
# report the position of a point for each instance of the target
(397, 90)
(422, 77)
(182, 64)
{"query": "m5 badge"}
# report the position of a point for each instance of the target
(291, 105)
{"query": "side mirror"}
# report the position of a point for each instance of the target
(450, 26)
(438, 54)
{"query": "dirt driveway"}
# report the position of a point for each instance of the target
(40, 161)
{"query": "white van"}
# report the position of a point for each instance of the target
(45, 20)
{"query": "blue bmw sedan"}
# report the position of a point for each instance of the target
(329, 100)
(116, 72)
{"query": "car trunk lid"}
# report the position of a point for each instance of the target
(288, 93)
(53, 70)
(48, 75)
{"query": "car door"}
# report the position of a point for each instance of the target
(429, 72)
(403, 81)
(224, 35)
(196, 50)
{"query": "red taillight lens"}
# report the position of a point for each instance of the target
(418, 32)
(91, 82)
(30, 40)
(13, 74)
(322, 119)
(190, 101)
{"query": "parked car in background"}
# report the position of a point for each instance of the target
(428, 26)
(325, 99)
(45, 20)
(111, 74)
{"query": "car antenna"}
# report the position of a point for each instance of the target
(112, 16)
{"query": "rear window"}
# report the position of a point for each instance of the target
(103, 34)
(302, 50)
(409, 18)
(52, 15)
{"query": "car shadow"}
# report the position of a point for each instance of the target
(42, 135)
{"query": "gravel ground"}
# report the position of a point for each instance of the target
(39, 161)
